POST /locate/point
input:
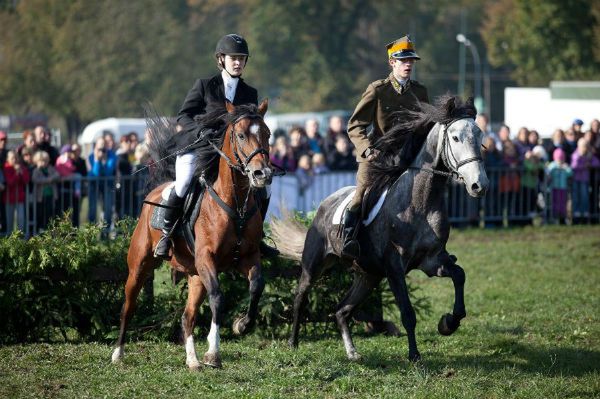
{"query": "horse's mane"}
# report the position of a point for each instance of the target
(400, 145)
(160, 130)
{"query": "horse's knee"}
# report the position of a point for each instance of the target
(458, 275)
(342, 314)
(257, 285)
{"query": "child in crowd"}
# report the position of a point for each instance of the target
(559, 172)
(319, 164)
(304, 172)
(17, 177)
(581, 162)
(45, 190)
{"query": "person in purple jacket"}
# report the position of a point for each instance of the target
(582, 161)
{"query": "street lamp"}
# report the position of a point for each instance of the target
(463, 39)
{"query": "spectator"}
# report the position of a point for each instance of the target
(3, 152)
(102, 164)
(335, 130)
(315, 141)
(558, 173)
(533, 169)
(282, 155)
(503, 135)
(581, 162)
(522, 143)
(17, 177)
(124, 169)
(569, 145)
(341, 158)
(298, 142)
(3, 149)
(492, 159)
(576, 126)
(319, 164)
(69, 185)
(27, 154)
(141, 171)
(510, 180)
(44, 178)
(483, 122)
(42, 142)
(133, 143)
(109, 140)
(558, 139)
(304, 172)
(28, 142)
(533, 139)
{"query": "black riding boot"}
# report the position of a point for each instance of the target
(172, 213)
(351, 248)
(267, 251)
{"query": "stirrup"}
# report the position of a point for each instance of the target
(163, 243)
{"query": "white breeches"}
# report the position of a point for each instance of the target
(185, 165)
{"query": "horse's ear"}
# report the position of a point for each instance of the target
(264, 105)
(230, 107)
(450, 105)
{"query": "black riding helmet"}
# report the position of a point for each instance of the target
(232, 44)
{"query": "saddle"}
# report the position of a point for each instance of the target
(191, 209)
(189, 215)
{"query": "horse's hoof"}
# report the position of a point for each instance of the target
(414, 357)
(212, 360)
(354, 356)
(117, 355)
(239, 326)
(193, 366)
(448, 324)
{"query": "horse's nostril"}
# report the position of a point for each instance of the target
(258, 173)
(475, 187)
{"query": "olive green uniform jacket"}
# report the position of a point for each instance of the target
(378, 107)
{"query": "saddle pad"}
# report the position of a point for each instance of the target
(337, 216)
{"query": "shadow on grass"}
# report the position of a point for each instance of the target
(501, 355)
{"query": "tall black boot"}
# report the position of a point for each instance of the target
(172, 213)
(267, 251)
(351, 248)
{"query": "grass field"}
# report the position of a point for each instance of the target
(532, 331)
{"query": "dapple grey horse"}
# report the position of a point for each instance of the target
(410, 231)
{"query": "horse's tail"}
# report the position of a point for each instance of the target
(158, 133)
(289, 235)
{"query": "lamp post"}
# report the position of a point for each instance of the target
(476, 60)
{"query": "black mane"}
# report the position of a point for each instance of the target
(160, 130)
(400, 146)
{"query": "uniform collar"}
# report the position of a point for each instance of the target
(397, 85)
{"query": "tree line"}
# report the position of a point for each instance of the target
(84, 60)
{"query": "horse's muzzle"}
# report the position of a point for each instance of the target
(261, 177)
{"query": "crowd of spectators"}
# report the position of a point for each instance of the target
(528, 175)
(42, 181)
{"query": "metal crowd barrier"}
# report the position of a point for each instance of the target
(107, 199)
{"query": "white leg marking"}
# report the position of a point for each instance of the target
(213, 338)
(191, 359)
(117, 354)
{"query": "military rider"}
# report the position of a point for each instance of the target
(379, 107)
(207, 95)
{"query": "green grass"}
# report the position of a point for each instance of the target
(532, 331)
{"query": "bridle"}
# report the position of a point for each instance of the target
(448, 157)
(241, 165)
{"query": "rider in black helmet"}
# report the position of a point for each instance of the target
(206, 95)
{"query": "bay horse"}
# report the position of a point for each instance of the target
(228, 229)
(411, 229)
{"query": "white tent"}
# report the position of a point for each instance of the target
(117, 126)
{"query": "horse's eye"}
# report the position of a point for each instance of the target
(455, 138)
(241, 136)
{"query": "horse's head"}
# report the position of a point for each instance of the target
(249, 143)
(460, 149)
